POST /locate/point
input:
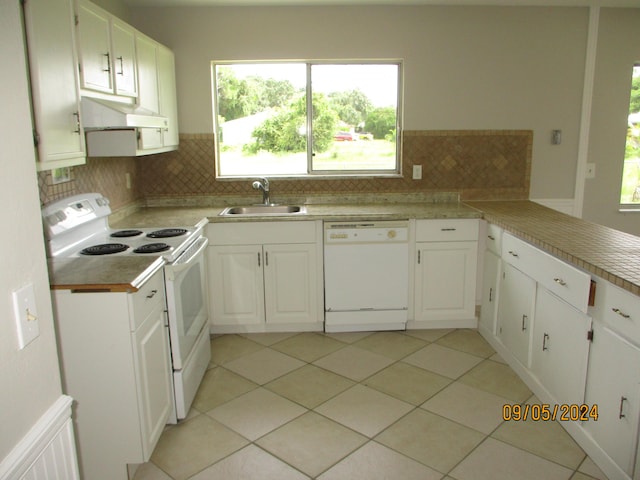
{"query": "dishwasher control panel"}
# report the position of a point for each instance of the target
(367, 232)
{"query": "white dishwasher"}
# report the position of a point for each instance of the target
(366, 268)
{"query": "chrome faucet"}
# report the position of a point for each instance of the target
(263, 184)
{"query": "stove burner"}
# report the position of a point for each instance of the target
(167, 232)
(126, 233)
(152, 248)
(104, 249)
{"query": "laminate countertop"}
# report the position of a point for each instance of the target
(607, 253)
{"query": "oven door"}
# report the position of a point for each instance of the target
(186, 300)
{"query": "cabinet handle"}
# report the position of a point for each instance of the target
(152, 294)
(418, 257)
(545, 337)
(108, 69)
(620, 414)
(77, 115)
(491, 237)
(560, 282)
(258, 258)
(447, 229)
(121, 72)
(524, 319)
(620, 312)
(490, 293)
(266, 259)
(512, 253)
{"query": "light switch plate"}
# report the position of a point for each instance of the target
(24, 310)
(417, 172)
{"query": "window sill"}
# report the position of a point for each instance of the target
(357, 176)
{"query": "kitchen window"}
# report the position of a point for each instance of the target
(307, 118)
(630, 190)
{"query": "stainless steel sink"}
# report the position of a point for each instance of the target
(262, 210)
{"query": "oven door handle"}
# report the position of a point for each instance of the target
(183, 262)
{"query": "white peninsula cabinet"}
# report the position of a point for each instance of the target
(55, 92)
(114, 351)
(446, 256)
(613, 379)
(265, 276)
(491, 271)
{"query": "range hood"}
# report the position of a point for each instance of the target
(106, 115)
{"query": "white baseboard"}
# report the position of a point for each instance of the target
(48, 450)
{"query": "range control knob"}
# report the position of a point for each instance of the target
(391, 234)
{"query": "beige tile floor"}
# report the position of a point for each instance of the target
(388, 405)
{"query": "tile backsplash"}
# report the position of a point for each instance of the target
(478, 164)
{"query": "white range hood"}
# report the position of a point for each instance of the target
(105, 115)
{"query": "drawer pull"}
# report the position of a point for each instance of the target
(447, 229)
(545, 337)
(560, 282)
(512, 253)
(491, 237)
(620, 414)
(524, 319)
(152, 294)
(621, 313)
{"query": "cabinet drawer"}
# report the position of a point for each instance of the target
(255, 233)
(145, 300)
(494, 239)
(620, 311)
(567, 282)
(442, 230)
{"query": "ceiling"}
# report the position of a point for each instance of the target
(556, 3)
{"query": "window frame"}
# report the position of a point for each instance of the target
(312, 173)
(627, 207)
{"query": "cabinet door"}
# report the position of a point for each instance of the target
(94, 44)
(236, 285)
(147, 73)
(489, 307)
(290, 273)
(124, 58)
(560, 347)
(167, 95)
(445, 279)
(153, 375)
(515, 312)
(613, 384)
(54, 83)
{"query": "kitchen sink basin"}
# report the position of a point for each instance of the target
(261, 210)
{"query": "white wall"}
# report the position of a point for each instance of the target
(465, 67)
(617, 51)
(30, 377)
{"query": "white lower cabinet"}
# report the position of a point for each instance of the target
(444, 280)
(267, 286)
(490, 281)
(115, 359)
(560, 348)
(515, 312)
(613, 384)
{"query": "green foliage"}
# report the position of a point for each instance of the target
(351, 106)
(285, 132)
(381, 121)
(239, 98)
(634, 103)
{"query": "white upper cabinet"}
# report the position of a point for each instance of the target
(146, 49)
(54, 83)
(168, 102)
(107, 52)
(124, 58)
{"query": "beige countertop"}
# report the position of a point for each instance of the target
(610, 254)
(602, 251)
(108, 274)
